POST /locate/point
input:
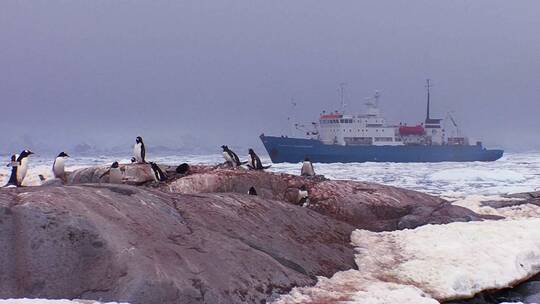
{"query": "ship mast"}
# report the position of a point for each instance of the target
(342, 96)
(428, 86)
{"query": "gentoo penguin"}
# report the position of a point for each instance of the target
(307, 168)
(12, 182)
(252, 191)
(139, 151)
(59, 165)
(182, 168)
(159, 176)
(303, 196)
(255, 161)
(115, 174)
(22, 166)
(231, 157)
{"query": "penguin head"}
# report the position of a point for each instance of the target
(63, 154)
(303, 188)
(225, 148)
(251, 152)
(25, 153)
(138, 140)
(133, 160)
(307, 159)
(115, 165)
(183, 168)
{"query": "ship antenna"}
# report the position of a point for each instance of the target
(376, 97)
(428, 86)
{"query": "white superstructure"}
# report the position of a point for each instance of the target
(371, 128)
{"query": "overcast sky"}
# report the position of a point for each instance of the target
(214, 72)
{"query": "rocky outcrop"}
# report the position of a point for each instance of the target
(141, 245)
(197, 238)
(134, 174)
(364, 205)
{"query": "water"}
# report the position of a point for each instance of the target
(515, 172)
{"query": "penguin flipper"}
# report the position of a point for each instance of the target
(143, 154)
(106, 172)
(266, 167)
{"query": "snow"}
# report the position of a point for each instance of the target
(515, 208)
(353, 286)
(440, 262)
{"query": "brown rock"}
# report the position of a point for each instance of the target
(141, 245)
(363, 205)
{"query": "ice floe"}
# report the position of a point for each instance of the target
(510, 208)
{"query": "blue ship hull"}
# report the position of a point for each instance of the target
(294, 150)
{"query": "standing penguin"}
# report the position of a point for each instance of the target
(255, 162)
(22, 166)
(12, 182)
(115, 174)
(307, 168)
(139, 151)
(231, 157)
(159, 176)
(59, 166)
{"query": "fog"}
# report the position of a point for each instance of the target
(201, 74)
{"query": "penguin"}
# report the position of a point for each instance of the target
(307, 168)
(182, 169)
(22, 166)
(303, 196)
(58, 166)
(139, 151)
(159, 176)
(255, 161)
(12, 182)
(231, 157)
(252, 191)
(115, 174)
(133, 160)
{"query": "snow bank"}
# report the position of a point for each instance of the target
(442, 262)
(353, 286)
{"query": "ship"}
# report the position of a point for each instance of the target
(355, 138)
